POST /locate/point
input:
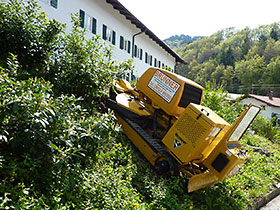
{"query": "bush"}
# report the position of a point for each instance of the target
(83, 67)
(27, 33)
(73, 64)
(266, 128)
(45, 133)
(33, 121)
(44, 138)
(216, 98)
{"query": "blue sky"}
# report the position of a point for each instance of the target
(202, 17)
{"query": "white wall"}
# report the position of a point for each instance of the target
(104, 13)
(268, 109)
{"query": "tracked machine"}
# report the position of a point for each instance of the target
(163, 117)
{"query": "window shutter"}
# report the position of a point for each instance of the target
(114, 38)
(121, 42)
(128, 46)
(104, 35)
(93, 25)
(82, 18)
(54, 3)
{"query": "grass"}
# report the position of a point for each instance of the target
(119, 178)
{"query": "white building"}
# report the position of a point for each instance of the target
(270, 104)
(118, 27)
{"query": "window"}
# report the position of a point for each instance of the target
(141, 54)
(112, 37)
(87, 22)
(124, 44)
(104, 32)
(121, 42)
(138, 53)
(146, 57)
(94, 24)
(155, 63)
(159, 64)
(128, 46)
(163, 65)
(151, 59)
(108, 34)
(52, 3)
(135, 51)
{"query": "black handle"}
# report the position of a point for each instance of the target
(207, 113)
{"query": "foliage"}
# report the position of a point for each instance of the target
(177, 41)
(56, 154)
(83, 67)
(71, 62)
(27, 33)
(34, 122)
(266, 128)
(234, 58)
(217, 99)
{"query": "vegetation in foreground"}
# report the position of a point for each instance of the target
(59, 151)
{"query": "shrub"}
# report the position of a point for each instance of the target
(71, 62)
(266, 128)
(33, 121)
(27, 33)
(83, 67)
(45, 133)
(216, 98)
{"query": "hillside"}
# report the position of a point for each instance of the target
(238, 59)
(177, 41)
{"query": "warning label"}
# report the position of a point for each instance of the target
(163, 85)
(176, 143)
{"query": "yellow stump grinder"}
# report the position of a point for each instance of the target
(164, 119)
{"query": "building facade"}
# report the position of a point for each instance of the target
(118, 27)
(270, 104)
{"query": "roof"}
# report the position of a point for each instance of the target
(129, 16)
(233, 96)
(265, 99)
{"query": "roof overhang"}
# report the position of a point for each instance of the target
(129, 16)
(275, 102)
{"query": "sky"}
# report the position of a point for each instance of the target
(202, 17)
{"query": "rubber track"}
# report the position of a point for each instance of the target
(153, 143)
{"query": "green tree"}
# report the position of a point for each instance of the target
(272, 49)
(27, 33)
(274, 33)
(250, 71)
(272, 75)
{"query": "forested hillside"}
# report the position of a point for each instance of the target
(177, 41)
(244, 61)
